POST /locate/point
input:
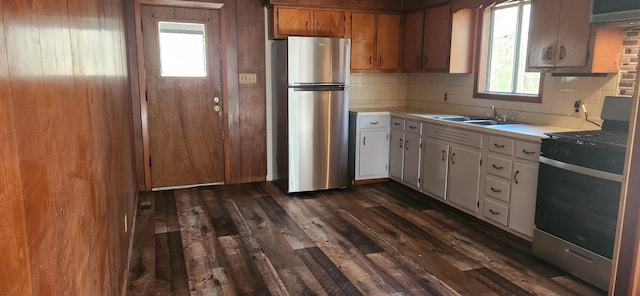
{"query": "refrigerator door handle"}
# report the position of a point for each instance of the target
(319, 87)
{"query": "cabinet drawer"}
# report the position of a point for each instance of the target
(397, 123)
(499, 167)
(414, 127)
(369, 122)
(497, 189)
(528, 150)
(501, 145)
(495, 211)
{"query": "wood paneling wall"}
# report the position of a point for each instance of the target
(66, 152)
(244, 42)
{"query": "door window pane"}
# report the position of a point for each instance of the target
(182, 49)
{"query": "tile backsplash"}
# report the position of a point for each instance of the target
(426, 91)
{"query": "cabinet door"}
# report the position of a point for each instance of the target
(437, 38)
(435, 157)
(573, 34)
(523, 198)
(464, 177)
(412, 40)
(543, 33)
(373, 154)
(411, 167)
(328, 23)
(388, 43)
(293, 21)
(363, 40)
(396, 154)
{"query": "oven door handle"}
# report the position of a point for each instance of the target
(581, 170)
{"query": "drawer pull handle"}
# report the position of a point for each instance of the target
(443, 155)
(406, 145)
(496, 190)
(498, 146)
(374, 122)
(497, 167)
(528, 152)
(364, 141)
(515, 177)
(494, 212)
(412, 127)
(453, 158)
(396, 123)
(400, 143)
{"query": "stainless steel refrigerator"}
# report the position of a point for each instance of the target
(311, 112)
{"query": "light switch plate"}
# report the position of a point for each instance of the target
(248, 78)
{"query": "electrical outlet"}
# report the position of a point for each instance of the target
(576, 105)
(247, 78)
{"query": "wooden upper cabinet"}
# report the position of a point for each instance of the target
(298, 21)
(388, 44)
(363, 40)
(293, 21)
(412, 32)
(329, 23)
(375, 41)
(438, 40)
(562, 40)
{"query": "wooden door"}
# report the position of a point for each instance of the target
(184, 117)
(437, 38)
(543, 33)
(412, 41)
(363, 41)
(388, 42)
(294, 22)
(574, 32)
(328, 23)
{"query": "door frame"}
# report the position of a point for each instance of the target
(146, 149)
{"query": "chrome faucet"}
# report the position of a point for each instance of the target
(495, 112)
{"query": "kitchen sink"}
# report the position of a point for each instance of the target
(473, 120)
(487, 122)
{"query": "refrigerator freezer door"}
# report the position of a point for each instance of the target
(318, 140)
(316, 60)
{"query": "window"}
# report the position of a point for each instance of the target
(182, 49)
(502, 58)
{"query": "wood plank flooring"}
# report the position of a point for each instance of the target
(375, 239)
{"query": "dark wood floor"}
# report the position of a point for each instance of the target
(377, 239)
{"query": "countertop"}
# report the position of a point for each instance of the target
(524, 131)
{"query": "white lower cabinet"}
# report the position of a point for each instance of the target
(523, 198)
(435, 160)
(372, 148)
(411, 163)
(396, 154)
(510, 181)
(451, 165)
(464, 177)
(404, 151)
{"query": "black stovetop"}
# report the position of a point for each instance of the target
(593, 138)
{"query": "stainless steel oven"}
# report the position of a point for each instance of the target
(579, 184)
